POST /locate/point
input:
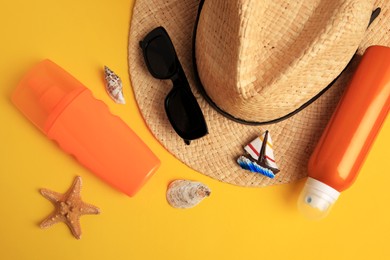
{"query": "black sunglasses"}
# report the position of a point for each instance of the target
(182, 109)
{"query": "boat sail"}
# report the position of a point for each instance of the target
(260, 156)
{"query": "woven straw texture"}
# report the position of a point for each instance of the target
(259, 52)
(215, 155)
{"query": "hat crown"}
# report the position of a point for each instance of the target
(261, 60)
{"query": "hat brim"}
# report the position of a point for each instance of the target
(215, 154)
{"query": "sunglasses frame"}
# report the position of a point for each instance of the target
(180, 84)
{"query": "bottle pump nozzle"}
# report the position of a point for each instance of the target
(316, 199)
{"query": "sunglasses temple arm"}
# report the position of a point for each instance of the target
(374, 15)
(180, 81)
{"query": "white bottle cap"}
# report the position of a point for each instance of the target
(316, 199)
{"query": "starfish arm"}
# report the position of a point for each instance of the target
(50, 220)
(51, 195)
(74, 227)
(75, 189)
(88, 209)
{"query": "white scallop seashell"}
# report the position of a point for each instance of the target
(186, 194)
(114, 86)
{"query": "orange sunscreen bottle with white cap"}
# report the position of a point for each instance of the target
(340, 152)
(65, 110)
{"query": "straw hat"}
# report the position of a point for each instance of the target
(257, 62)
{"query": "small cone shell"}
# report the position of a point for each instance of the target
(186, 194)
(114, 86)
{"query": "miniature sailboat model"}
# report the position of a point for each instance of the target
(260, 157)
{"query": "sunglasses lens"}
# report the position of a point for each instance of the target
(160, 56)
(184, 114)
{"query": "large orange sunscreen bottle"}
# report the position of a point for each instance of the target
(65, 110)
(337, 158)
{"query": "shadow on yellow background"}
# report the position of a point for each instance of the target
(234, 223)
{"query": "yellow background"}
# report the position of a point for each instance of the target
(234, 223)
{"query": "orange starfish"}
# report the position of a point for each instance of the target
(68, 208)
